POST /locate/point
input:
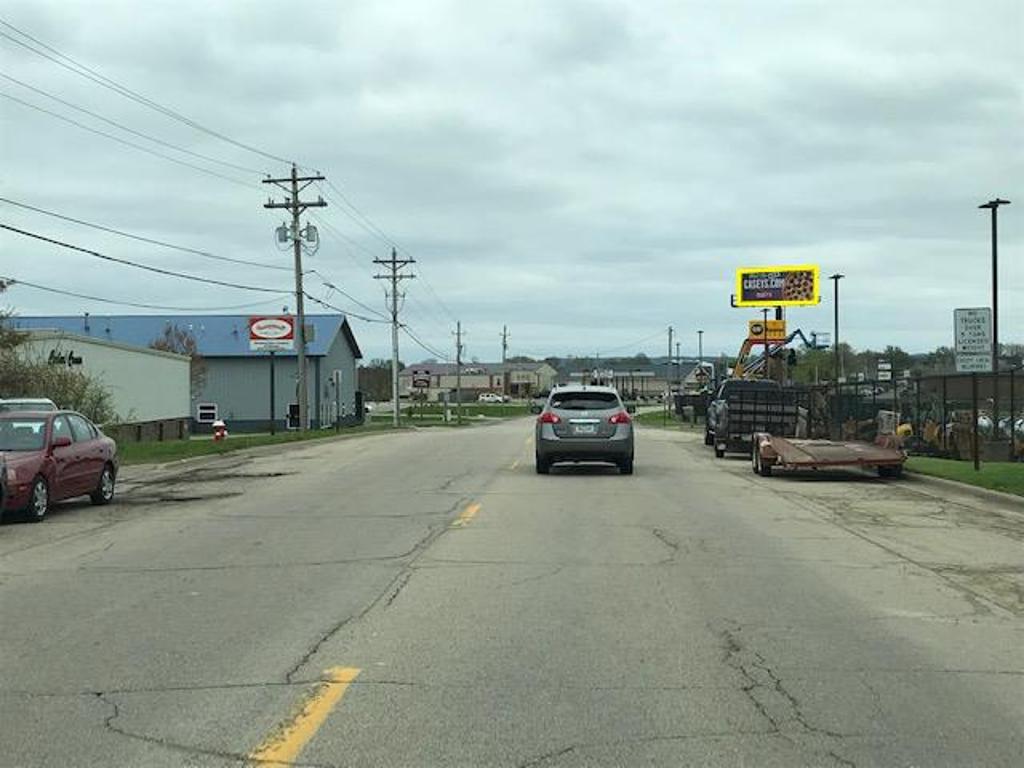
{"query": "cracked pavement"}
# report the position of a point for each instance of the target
(692, 614)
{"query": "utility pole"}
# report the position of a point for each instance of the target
(395, 266)
(679, 369)
(668, 377)
(458, 371)
(504, 358)
(291, 185)
(835, 325)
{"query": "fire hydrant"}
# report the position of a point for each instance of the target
(220, 430)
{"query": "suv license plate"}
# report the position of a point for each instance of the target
(585, 429)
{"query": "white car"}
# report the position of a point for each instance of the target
(490, 397)
(27, 404)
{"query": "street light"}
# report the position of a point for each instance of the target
(835, 326)
(993, 205)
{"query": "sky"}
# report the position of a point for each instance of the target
(586, 173)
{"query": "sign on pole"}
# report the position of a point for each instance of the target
(777, 286)
(972, 328)
(272, 334)
(756, 330)
(884, 370)
(420, 379)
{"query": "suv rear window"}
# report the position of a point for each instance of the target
(584, 401)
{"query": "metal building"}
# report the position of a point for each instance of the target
(230, 381)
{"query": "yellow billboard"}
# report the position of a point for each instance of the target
(785, 286)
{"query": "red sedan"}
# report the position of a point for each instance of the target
(50, 457)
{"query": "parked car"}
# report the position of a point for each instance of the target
(490, 397)
(53, 456)
(584, 423)
(27, 404)
(538, 401)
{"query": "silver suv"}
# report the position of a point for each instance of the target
(584, 423)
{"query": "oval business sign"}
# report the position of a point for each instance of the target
(271, 328)
(271, 333)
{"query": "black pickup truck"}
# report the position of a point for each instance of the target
(742, 407)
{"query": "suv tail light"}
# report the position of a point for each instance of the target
(619, 418)
(548, 418)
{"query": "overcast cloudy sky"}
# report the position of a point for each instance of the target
(585, 172)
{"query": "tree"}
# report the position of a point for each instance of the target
(21, 376)
(375, 379)
(183, 342)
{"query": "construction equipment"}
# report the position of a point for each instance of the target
(747, 368)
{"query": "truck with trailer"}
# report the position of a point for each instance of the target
(742, 407)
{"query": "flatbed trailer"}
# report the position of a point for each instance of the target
(771, 451)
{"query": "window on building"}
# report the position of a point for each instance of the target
(206, 413)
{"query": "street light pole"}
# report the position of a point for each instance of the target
(993, 205)
(835, 325)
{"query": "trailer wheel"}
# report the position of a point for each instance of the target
(764, 469)
(894, 471)
(719, 452)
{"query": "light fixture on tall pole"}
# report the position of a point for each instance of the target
(993, 205)
(835, 325)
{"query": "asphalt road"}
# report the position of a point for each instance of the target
(425, 599)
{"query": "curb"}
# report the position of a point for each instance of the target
(965, 488)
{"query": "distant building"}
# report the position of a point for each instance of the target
(234, 383)
(144, 384)
(435, 380)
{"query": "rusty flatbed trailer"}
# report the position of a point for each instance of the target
(770, 451)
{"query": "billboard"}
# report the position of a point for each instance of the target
(272, 334)
(783, 286)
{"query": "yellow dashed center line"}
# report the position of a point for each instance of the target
(283, 746)
(467, 514)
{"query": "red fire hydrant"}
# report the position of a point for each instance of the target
(220, 430)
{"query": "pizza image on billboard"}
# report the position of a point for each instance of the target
(777, 286)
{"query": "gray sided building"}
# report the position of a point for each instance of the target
(232, 382)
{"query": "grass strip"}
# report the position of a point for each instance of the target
(173, 450)
(1007, 477)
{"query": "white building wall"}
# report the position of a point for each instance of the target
(144, 384)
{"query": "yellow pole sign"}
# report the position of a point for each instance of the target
(776, 331)
(785, 286)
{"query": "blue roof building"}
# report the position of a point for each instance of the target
(230, 381)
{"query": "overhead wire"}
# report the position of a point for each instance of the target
(126, 142)
(127, 129)
(408, 332)
(137, 265)
(140, 238)
(9, 282)
(65, 61)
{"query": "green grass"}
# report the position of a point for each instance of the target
(659, 419)
(1007, 477)
(173, 450)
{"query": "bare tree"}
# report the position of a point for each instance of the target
(183, 342)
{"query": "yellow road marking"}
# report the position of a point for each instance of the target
(467, 514)
(283, 746)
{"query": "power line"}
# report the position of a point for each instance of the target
(119, 140)
(146, 267)
(13, 281)
(408, 332)
(140, 238)
(347, 313)
(106, 82)
(127, 129)
(631, 344)
(353, 299)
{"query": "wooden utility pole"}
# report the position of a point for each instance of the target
(395, 276)
(291, 185)
(458, 372)
(504, 360)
